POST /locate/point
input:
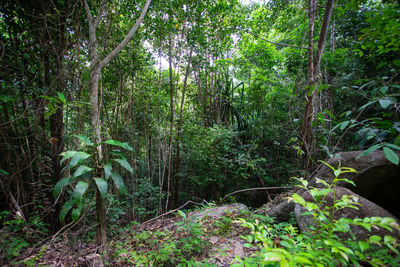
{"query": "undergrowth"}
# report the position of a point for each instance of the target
(329, 242)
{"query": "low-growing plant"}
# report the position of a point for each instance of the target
(282, 244)
(18, 234)
(193, 241)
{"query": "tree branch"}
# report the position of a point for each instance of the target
(127, 38)
(256, 188)
(88, 13)
(100, 15)
(322, 36)
(280, 44)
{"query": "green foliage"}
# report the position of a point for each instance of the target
(375, 124)
(16, 235)
(283, 244)
(382, 36)
(161, 248)
(82, 179)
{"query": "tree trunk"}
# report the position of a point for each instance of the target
(96, 67)
(178, 139)
(307, 135)
(171, 126)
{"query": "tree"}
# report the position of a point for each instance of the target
(96, 66)
(314, 62)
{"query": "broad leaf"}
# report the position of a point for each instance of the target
(117, 143)
(78, 158)
(107, 170)
(84, 139)
(65, 208)
(119, 183)
(385, 102)
(124, 164)
(80, 189)
(383, 89)
(61, 96)
(366, 105)
(369, 150)
(60, 184)
(391, 156)
(392, 146)
(76, 212)
(66, 155)
(344, 125)
(102, 185)
(82, 169)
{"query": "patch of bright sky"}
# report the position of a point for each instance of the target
(164, 61)
(248, 2)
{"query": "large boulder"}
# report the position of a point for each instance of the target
(281, 211)
(377, 179)
(366, 209)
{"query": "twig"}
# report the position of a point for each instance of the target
(256, 188)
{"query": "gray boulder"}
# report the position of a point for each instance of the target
(367, 209)
(377, 179)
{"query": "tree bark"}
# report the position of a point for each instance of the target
(171, 127)
(307, 135)
(96, 68)
(179, 131)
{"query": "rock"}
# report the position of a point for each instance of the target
(94, 260)
(218, 212)
(281, 212)
(367, 209)
(376, 179)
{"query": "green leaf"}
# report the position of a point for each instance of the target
(392, 146)
(61, 96)
(102, 185)
(124, 164)
(65, 208)
(80, 189)
(84, 139)
(391, 156)
(107, 170)
(302, 260)
(383, 89)
(3, 172)
(60, 184)
(66, 155)
(344, 125)
(385, 102)
(117, 143)
(375, 239)
(368, 104)
(76, 213)
(298, 199)
(82, 169)
(182, 214)
(78, 158)
(119, 183)
(369, 150)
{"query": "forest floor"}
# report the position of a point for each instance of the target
(212, 236)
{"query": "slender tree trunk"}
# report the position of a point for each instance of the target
(160, 174)
(96, 67)
(178, 139)
(171, 126)
(314, 63)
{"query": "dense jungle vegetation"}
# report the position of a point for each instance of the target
(115, 112)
